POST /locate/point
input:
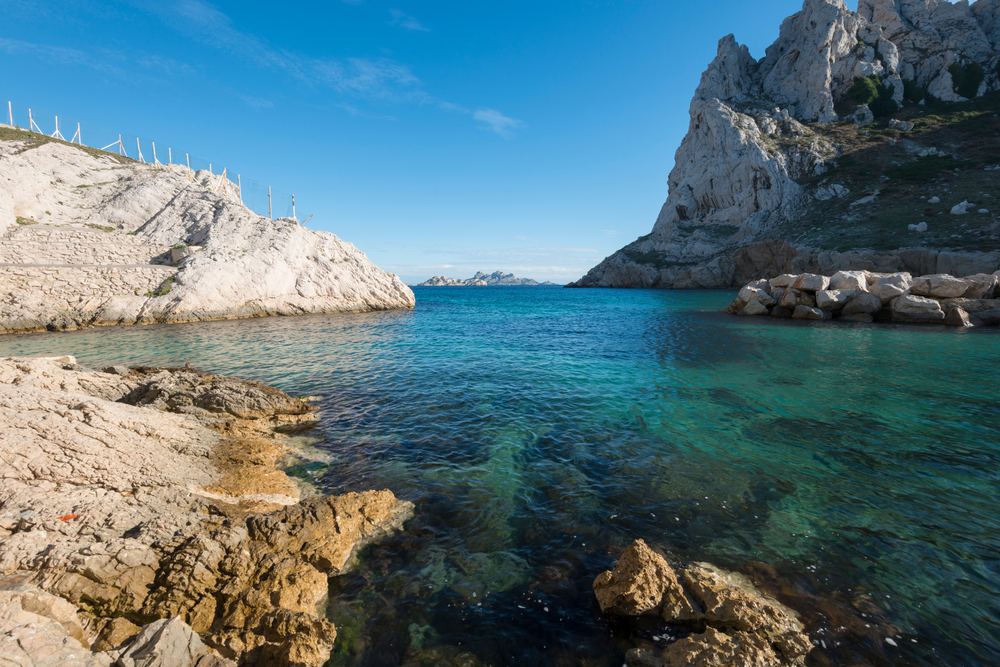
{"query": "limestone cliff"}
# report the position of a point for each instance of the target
(767, 136)
(93, 239)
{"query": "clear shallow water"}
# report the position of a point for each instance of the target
(539, 430)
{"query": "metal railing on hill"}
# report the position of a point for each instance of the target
(259, 198)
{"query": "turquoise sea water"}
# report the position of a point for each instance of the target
(851, 470)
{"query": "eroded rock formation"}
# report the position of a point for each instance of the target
(738, 171)
(88, 240)
(734, 623)
(153, 495)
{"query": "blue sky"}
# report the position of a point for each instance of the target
(441, 138)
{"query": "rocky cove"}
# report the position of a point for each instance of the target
(865, 296)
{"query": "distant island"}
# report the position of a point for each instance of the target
(482, 280)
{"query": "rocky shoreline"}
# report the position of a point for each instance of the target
(143, 520)
(866, 296)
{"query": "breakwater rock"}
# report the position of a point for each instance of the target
(89, 238)
(137, 496)
(733, 623)
(866, 296)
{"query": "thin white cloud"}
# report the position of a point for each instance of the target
(404, 20)
(499, 123)
(256, 102)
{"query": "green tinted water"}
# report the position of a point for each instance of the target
(851, 470)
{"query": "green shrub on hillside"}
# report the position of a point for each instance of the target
(925, 169)
(871, 91)
(913, 92)
(965, 80)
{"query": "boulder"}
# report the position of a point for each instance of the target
(863, 116)
(941, 286)
(169, 642)
(901, 125)
(911, 308)
(835, 299)
(780, 311)
(890, 287)
(981, 286)
(807, 313)
(920, 227)
(793, 298)
(971, 306)
(642, 583)
(784, 280)
(754, 308)
(761, 284)
(849, 280)
(810, 282)
(863, 303)
(857, 317)
(735, 306)
(749, 294)
(776, 293)
(963, 208)
(934, 200)
(988, 316)
(957, 317)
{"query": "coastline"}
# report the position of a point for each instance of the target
(135, 496)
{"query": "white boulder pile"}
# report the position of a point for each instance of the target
(867, 296)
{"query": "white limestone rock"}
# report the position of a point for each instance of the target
(849, 280)
(864, 303)
(784, 280)
(751, 294)
(792, 298)
(916, 308)
(963, 208)
(834, 300)
(940, 286)
(890, 287)
(981, 286)
(754, 308)
(810, 282)
(249, 265)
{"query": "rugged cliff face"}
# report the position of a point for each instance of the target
(764, 133)
(93, 239)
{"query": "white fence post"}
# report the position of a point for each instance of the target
(239, 184)
(170, 156)
(293, 209)
(10, 114)
(56, 134)
(269, 213)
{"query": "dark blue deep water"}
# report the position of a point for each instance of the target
(852, 471)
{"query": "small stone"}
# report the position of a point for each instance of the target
(117, 370)
(984, 210)
(962, 209)
(934, 200)
(921, 227)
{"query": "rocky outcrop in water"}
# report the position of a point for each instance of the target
(865, 296)
(756, 134)
(154, 495)
(92, 239)
(733, 622)
(497, 278)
